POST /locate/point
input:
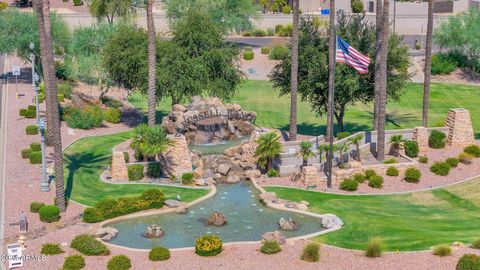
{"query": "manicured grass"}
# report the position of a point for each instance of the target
(88, 157)
(413, 221)
(274, 111)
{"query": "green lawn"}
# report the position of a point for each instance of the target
(274, 111)
(413, 221)
(88, 157)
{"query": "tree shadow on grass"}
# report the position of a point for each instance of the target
(88, 162)
(397, 119)
(316, 130)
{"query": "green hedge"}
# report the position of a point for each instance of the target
(392, 171)
(343, 134)
(112, 115)
(35, 206)
(286, 9)
(412, 175)
(437, 139)
(411, 149)
(270, 247)
(278, 52)
(135, 172)
(30, 114)
(51, 249)
(360, 178)
(349, 185)
(31, 130)
(49, 213)
(468, 262)
(85, 118)
(60, 97)
(375, 181)
(22, 112)
(153, 170)
(88, 245)
(442, 65)
(453, 162)
(423, 159)
(248, 55)
(159, 254)
(265, 50)
(440, 168)
(311, 252)
(35, 157)
(119, 262)
(473, 150)
(259, 33)
(74, 262)
(36, 146)
(64, 89)
(26, 153)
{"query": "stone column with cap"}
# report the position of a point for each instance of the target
(460, 131)
(420, 135)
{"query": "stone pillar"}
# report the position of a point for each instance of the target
(460, 131)
(119, 167)
(178, 156)
(310, 176)
(420, 135)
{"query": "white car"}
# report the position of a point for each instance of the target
(15, 258)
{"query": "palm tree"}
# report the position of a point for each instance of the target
(46, 54)
(305, 152)
(378, 44)
(428, 64)
(155, 141)
(265, 4)
(269, 147)
(294, 74)
(139, 138)
(356, 141)
(396, 141)
(277, 5)
(342, 148)
(382, 95)
(152, 65)
(322, 149)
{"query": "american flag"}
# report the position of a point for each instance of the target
(351, 57)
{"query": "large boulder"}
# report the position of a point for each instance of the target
(268, 197)
(172, 203)
(230, 152)
(106, 233)
(252, 174)
(217, 219)
(288, 224)
(223, 169)
(330, 221)
(275, 236)
(153, 231)
(232, 179)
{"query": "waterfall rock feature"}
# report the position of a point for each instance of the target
(217, 219)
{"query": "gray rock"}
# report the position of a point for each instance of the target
(223, 169)
(153, 231)
(200, 182)
(232, 179)
(172, 203)
(268, 197)
(217, 219)
(217, 176)
(252, 174)
(274, 236)
(330, 221)
(288, 224)
(101, 232)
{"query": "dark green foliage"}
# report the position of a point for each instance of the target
(440, 168)
(36, 146)
(135, 172)
(375, 181)
(473, 150)
(35, 157)
(111, 102)
(453, 162)
(259, 33)
(436, 139)
(392, 171)
(270, 247)
(64, 89)
(349, 185)
(77, 2)
(270, 32)
(92, 215)
(26, 153)
(265, 50)
(61, 71)
(476, 244)
(22, 112)
(360, 178)
(159, 254)
(343, 135)
(30, 114)
(442, 65)
(357, 6)
(51, 249)
(311, 252)
(187, 178)
(369, 174)
(390, 161)
(49, 213)
(126, 157)
(273, 173)
(278, 52)
(32, 107)
(278, 29)
(31, 130)
(88, 245)
(411, 148)
(74, 262)
(60, 97)
(153, 170)
(85, 118)
(286, 10)
(248, 55)
(154, 197)
(35, 206)
(119, 262)
(423, 159)
(412, 175)
(442, 250)
(468, 262)
(374, 248)
(112, 115)
(284, 31)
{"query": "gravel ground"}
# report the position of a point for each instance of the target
(259, 67)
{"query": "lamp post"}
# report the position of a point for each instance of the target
(44, 185)
(35, 81)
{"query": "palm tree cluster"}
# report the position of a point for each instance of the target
(269, 148)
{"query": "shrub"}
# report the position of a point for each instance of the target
(246, 34)
(349, 185)
(436, 139)
(392, 171)
(187, 178)
(112, 115)
(278, 52)
(286, 31)
(465, 158)
(60, 97)
(88, 245)
(412, 175)
(369, 174)
(265, 50)
(51, 249)
(473, 150)
(357, 6)
(64, 89)
(208, 245)
(153, 170)
(453, 162)
(374, 248)
(311, 252)
(3, 6)
(278, 29)
(423, 159)
(22, 112)
(270, 32)
(390, 161)
(77, 2)
(442, 65)
(248, 55)
(74, 262)
(360, 178)
(119, 262)
(159, 254)
(30, 114)
(154, 197)
(270, 247)
(442, 250)
(49, 213)
(26, 153)
(440, 168)
(476, 244)
(468, 262)
(286, 10)
(259, 33)
(273, 173)
(36, 146)
(135, 172)
(35, 206)
(86, 118)
(35, 157)
(343, 134)
(111, 102)
(411, 149)
(126, 157)
(375, 181)
(32, 108)
(31, 130)
(92, 215)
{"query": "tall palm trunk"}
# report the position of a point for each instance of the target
(378, 42)
(382, 101)
(46, 53)
(294, 73)
(152, 62)
(428, 64)
(331, 89)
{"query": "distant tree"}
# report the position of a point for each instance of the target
(350, 87)
(305, 152)
(356, 141)
(110, 9)
(269, 147)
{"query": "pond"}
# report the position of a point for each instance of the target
(247, 220)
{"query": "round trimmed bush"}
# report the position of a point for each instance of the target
(468, 262)
(453, 162)
(442, 250)
(49, 213)
(135, 172)
(311, 252)
(423, 159)
(349, 184)
(440, 168)
(369, 174)
(357, 6)
(119, 262)
(476, 244)
(154, 197)
(278, 52)
(51, 249)
(35, 206)
(92, 215)
(270, 247)
(360, 178)
(32, 107)
(473, 150)
(31, 130)
(22, 112)
(84, 118)
(187, 178)
(112, 115)
(375, 181)
(411, 148)
(437, 139)
(208, 245)
(88, 245)
(30, 114)
(265, 50)
(392, 171)
(286, 9)
(74, 262)
(35, 157)
(465, 158)
(248, 55)
(153, 170)
(412, 175)
(36, 146)
(26, 153)
(60, 97)
(159, 254)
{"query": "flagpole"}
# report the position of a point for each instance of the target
(331, 90)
